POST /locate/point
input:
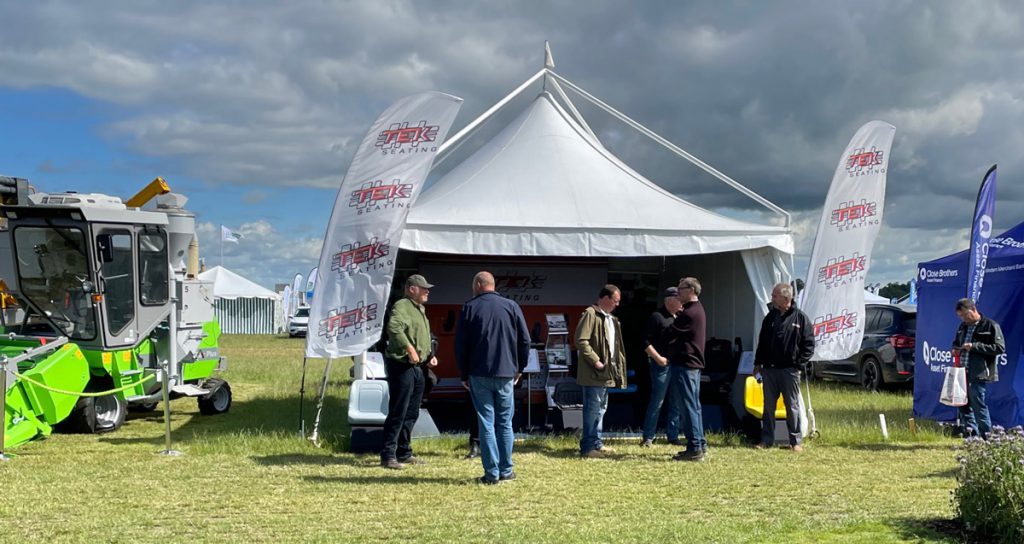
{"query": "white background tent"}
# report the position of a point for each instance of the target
(241, 306)
(871, 298)
(544, 186)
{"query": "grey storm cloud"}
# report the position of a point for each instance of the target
(269, 93)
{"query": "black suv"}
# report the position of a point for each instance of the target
(886, 354)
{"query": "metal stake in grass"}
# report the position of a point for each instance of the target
(885, 429)
(3, 405)
(167, 408)
(302, 397)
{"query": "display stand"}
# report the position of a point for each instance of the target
(532, 367)
(557, 356)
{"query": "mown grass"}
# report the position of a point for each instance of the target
(247, 477)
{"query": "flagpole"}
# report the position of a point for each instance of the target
(222, 246)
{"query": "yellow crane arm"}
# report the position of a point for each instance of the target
(156, 187)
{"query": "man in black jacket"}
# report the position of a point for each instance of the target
(784, 346)
(979, 340)
(492, 345)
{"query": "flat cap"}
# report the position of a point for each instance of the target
(418, 281)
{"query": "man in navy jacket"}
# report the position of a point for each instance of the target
(784, 346)
(492, 345)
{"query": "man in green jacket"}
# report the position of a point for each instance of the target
(602, 364)
(408, 350)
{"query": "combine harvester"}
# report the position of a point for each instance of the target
(100, 307)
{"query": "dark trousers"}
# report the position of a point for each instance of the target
(405, 392)
(784, 381)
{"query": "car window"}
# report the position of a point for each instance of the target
(885, 320)
(909, 323)
(302, 312)
(871, 320)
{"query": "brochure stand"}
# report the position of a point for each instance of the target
(557, 356)
(532, 367)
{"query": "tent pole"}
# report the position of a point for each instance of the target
(450, 144)
(572, 108)
(676, 149)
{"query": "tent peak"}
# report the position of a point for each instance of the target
(549, 60)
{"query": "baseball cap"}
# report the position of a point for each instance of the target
(670, 292)
(418, 281)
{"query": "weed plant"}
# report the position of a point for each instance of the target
(990, 497)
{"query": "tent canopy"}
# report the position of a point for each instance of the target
(545, 187)
(229, 285)
(940, 284)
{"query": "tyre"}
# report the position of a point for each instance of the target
(870, 374)
(219, 399)
(96, 414)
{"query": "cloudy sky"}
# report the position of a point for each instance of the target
(254, 109)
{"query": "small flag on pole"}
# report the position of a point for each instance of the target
(226, 235)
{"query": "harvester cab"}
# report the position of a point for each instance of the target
(120, 284)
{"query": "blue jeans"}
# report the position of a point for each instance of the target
(975, 414)
(492, 398)
(687, 381)
(595, 403)
(660, 384)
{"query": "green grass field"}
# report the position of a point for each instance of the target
(247, 477)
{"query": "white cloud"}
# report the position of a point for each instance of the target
(269, 95)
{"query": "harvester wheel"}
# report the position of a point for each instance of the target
(110, 412)
(219, 399)
(96, 414)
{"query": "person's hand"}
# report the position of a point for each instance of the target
(432, 363)
(465, 384)
(599, 365)
(662, 361)
(967, 346)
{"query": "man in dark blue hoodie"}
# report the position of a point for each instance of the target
(492, 345)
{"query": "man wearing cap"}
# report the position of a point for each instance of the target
(658, 328)
(408, 349)
(492, 345)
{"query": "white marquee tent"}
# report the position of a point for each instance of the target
(241, 306)
(545, 186)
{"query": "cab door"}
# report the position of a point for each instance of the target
(117, 284)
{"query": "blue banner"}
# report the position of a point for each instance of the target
(940, 283)
(981, 232)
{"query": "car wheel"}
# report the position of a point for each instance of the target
(870, 374)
